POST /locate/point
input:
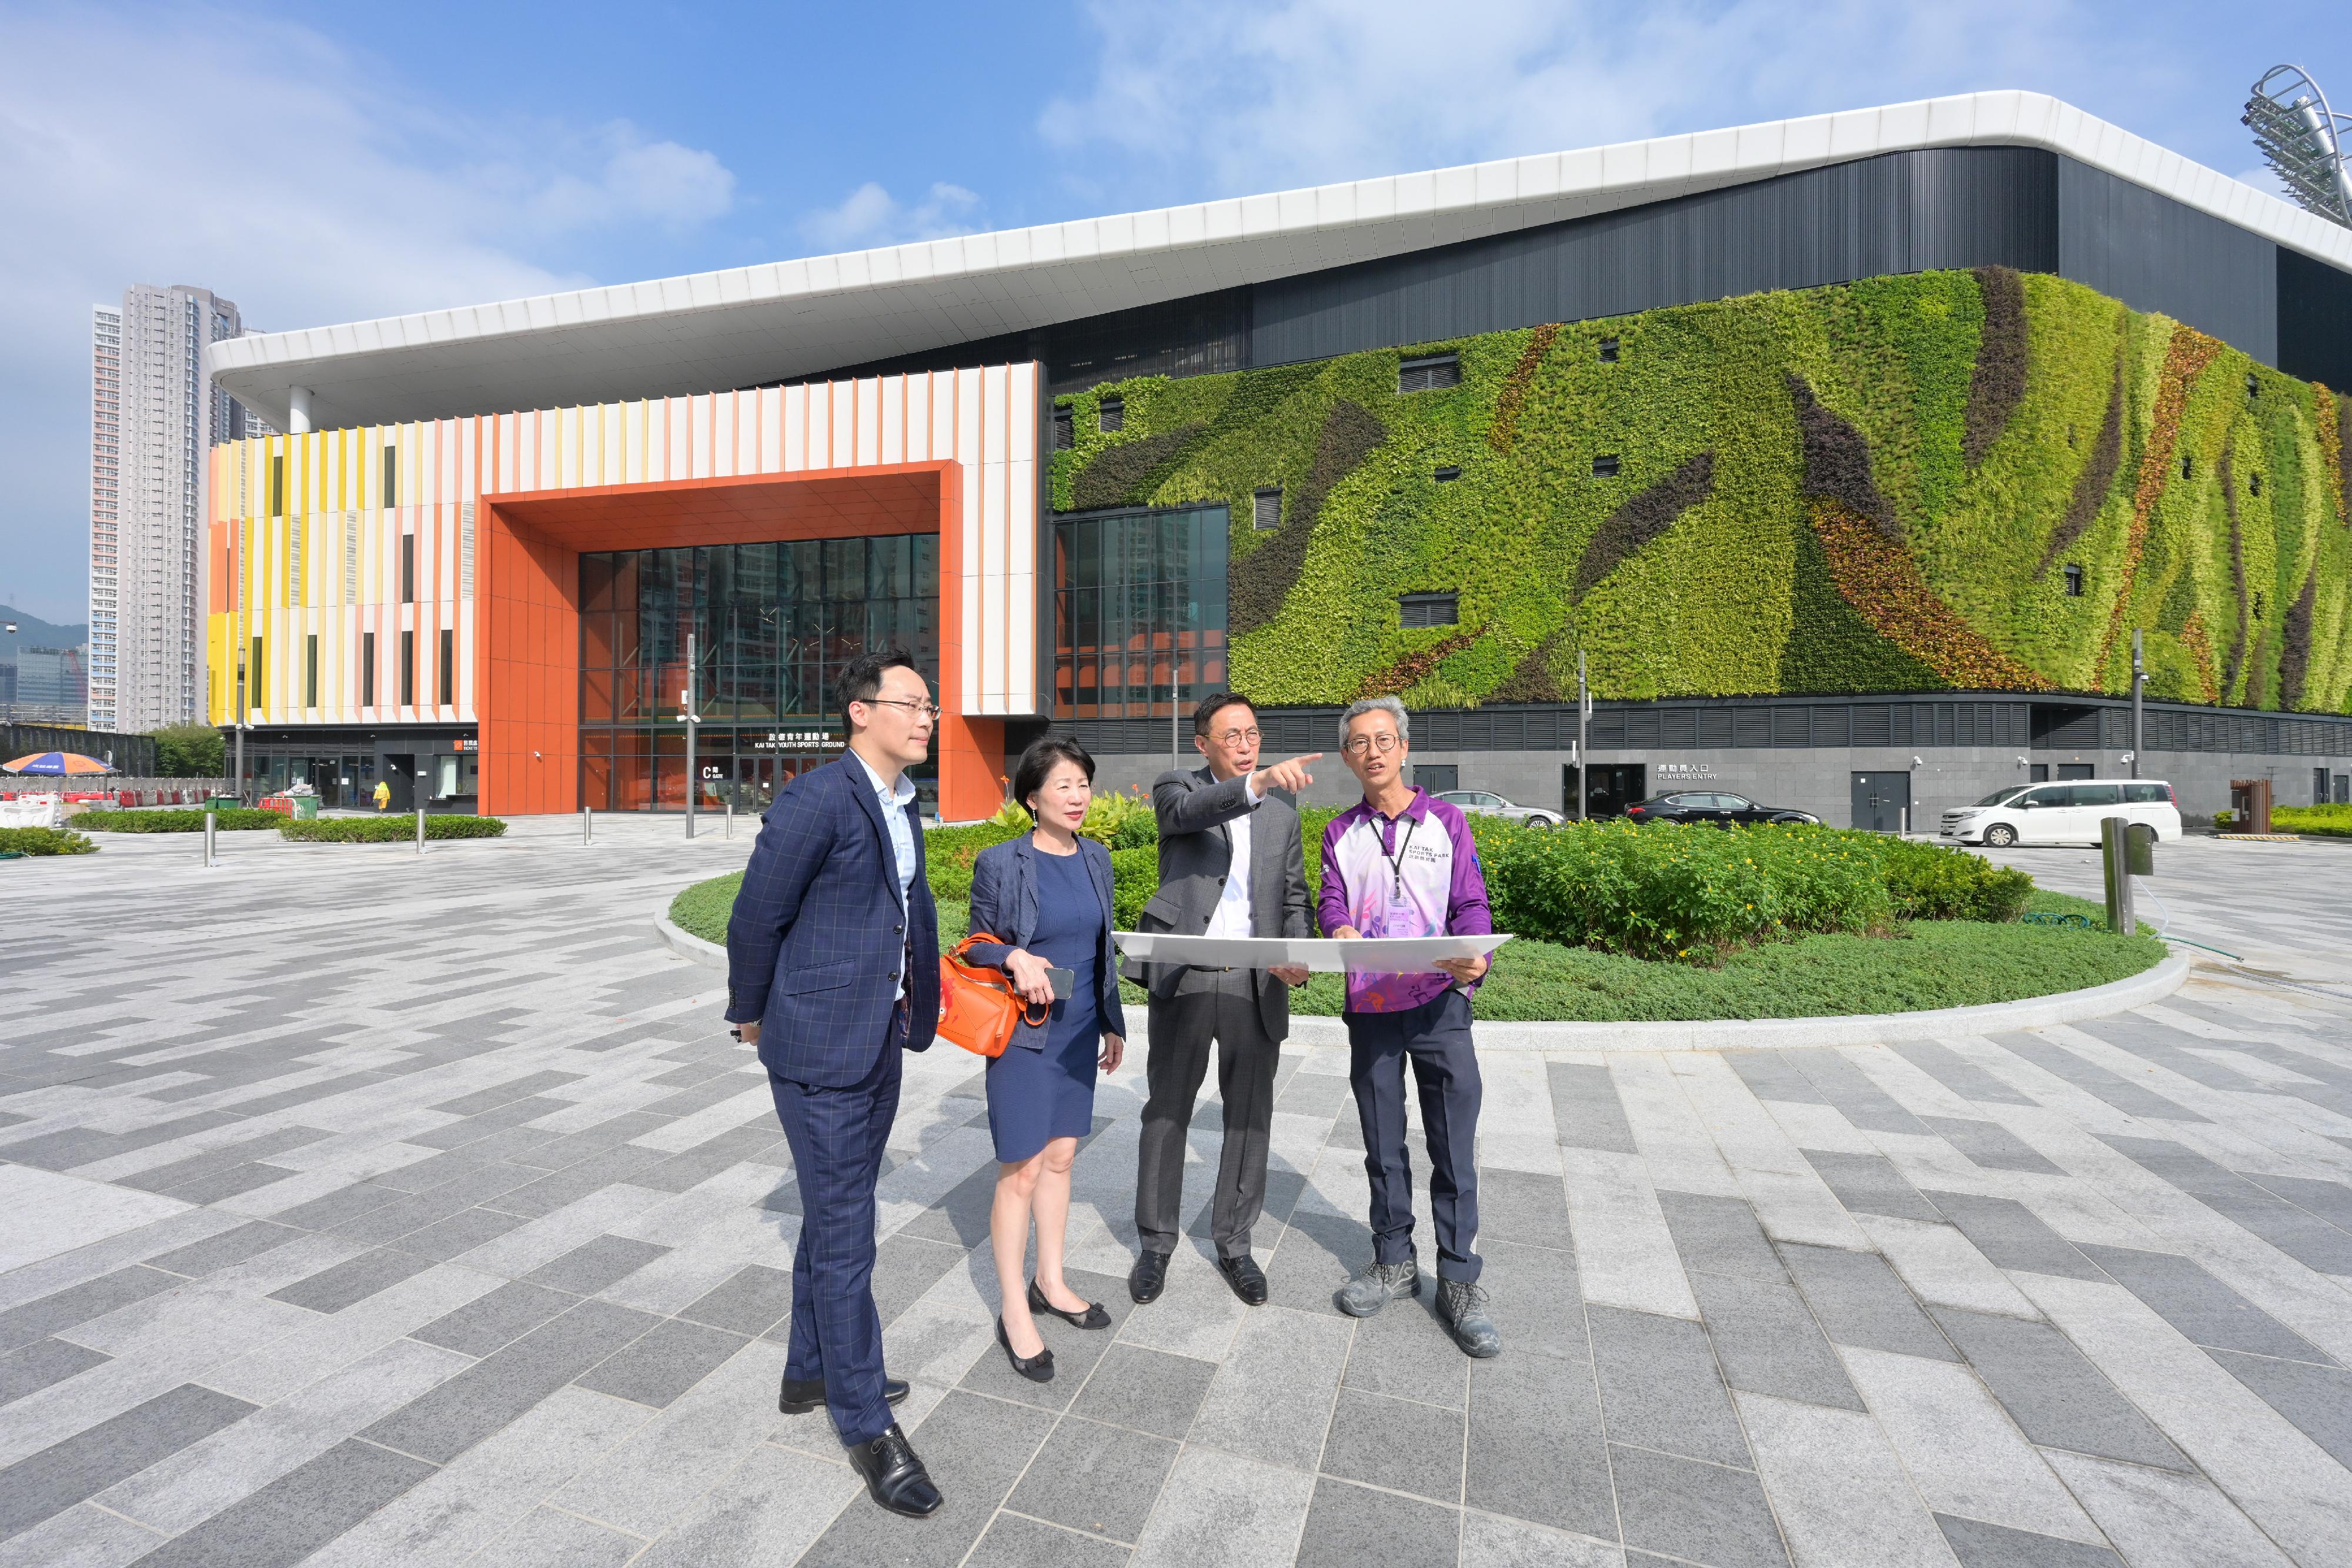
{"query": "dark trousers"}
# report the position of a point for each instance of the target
(1436, 1036)
(836, 1138)
(1219, 1006)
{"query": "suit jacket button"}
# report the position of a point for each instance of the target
(898, 931)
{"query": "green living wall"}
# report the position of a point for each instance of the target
(1875, 487)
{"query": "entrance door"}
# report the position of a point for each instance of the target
(1614, 787)
(400, 772)
(1881, 802)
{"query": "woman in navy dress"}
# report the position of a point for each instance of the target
(1048, 894)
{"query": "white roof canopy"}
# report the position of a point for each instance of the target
(718, 329)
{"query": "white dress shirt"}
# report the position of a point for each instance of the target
(894, 799)
(1231, 915)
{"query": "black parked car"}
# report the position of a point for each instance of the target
(1712, 806)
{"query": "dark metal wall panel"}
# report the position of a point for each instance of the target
(2154, 254)
(2314, 319)
(1900, 211)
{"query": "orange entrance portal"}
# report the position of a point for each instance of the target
(527, 682)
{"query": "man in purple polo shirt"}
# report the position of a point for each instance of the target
(1399, 863)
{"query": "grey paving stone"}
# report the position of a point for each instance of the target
(1703, 1513)
(296, 1514)
(35, 1366)
(453, 1417)
(1317, 1253)
(2132, 1099)
(487, 1323)
(2330, 1200)
(1774, 1075)
(551, 1538)
(1720, 1236)
(1991, 1145)
(569, 1185)
(671, 1357)
(2204, 1310)
(2169, 1048)
(460, 1234)
(1981, 1545)
(592, 1266)
(1869, 1183)
(1958, 1074)
(1406, 1351)
(1535, 1449)
(1396, 1444)
(1149, 1390)
(1099, 1478)
(1013, 1542)
(2317, 1399)
(353, 1280)
(46, 1315)
(1858, 1300)
(338, 1207)
(753, 1301)
(907, 1266)
(2010, 1235)
(1585, 1108)
(2053, 1391)
(219, 1161)
(93, 1460)
(1659, 1386)
(1768, 1341)
(993, 1443)
(1857, 1097)
(1350, 1526)
(1521, 1206)
(506, 1094)
(1271, 1400)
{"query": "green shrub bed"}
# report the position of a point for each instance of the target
(2324, 821)
(44, 841)
(178, 819)
(389, 829)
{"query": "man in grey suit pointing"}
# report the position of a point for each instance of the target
(1230, 864)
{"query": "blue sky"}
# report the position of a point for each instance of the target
(316, 164)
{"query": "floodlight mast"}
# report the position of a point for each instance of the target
(2303, 140)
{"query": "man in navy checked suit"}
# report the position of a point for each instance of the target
(833, 968)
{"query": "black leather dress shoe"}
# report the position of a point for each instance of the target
(800, 1395)
(894, 1477)
(1148, 1277)
(1245, 1277)
(1092, 1317)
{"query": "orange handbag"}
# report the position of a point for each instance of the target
(978, 1007)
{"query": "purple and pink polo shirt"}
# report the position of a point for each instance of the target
(1415, 875)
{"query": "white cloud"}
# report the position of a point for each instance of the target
(641, 181)
(870, 216)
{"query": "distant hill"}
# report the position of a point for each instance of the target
(32, 631)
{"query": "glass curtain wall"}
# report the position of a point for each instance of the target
(1139, 611)
(773, 624)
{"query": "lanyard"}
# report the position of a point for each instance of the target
(1396, 861)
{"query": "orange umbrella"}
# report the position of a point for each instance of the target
(54, 763)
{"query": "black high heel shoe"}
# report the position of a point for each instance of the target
(1037, 1368)
(1094, 1317)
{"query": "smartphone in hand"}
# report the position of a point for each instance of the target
(1063, 980)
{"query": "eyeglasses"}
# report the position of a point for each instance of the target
(1241, 737)
(921, 710)
(1360, 744)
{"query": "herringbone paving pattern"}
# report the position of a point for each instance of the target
(369, 1210)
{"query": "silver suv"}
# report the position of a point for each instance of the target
(1481, 803)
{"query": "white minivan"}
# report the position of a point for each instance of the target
(2066, 813)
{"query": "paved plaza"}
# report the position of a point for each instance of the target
(370, 1209)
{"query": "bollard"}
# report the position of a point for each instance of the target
(2114, 856)
(730, 819)
(212, 821)
(420, 830)
(586, 834)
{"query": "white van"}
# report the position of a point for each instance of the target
(2066, 813)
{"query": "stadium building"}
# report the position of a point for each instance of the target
(1851, 455)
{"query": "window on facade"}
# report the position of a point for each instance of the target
(1065, 429)
(2188, 466)
(1111, 413)
(448, 667)
(1608, 351)
(408, 568)
(392, 475)
(1605, 465)
(367, 669)
(2254, 482)
(1266, 509)
(254, 696)
(1447, 475)
(408, 669)
(2253, 384)
(2073, 581)
(1432, 373)
(310, 671)
(1139, 611)
(1428, 610)
(277, 487)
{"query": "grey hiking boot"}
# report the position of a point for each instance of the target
(1373, 1289)
(1463, 1305)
